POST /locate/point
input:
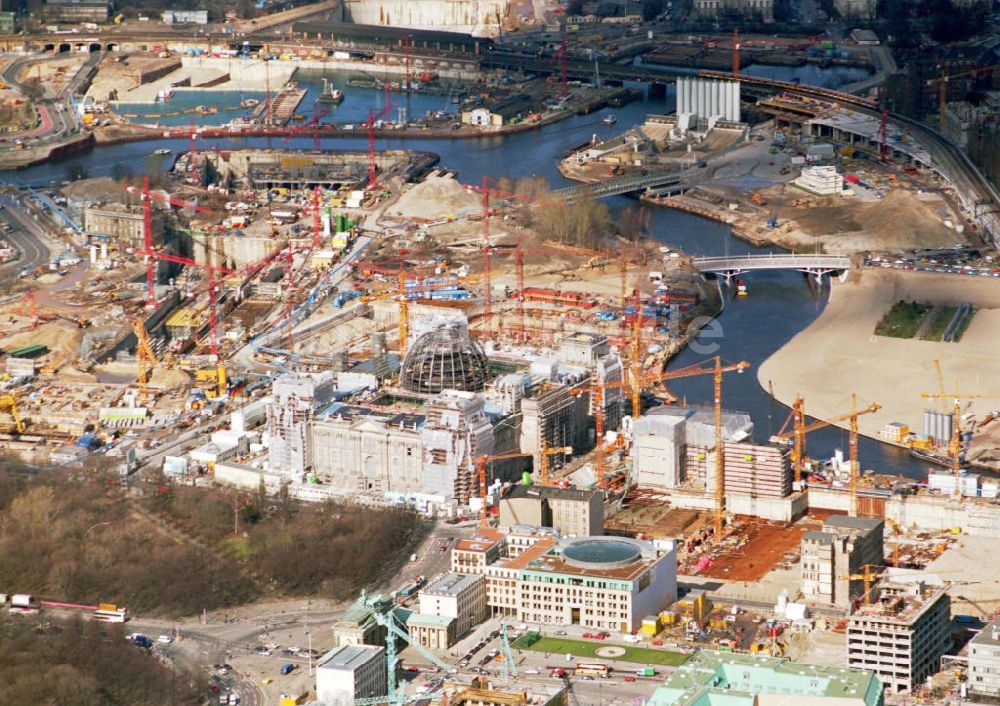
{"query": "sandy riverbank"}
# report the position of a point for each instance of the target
(839, 354)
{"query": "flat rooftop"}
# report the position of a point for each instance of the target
(348, 657)
(544, 492)
(451, 584)
(902, 596)
(728, 679)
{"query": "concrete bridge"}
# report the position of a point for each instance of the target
(729, 267)
(618, 185)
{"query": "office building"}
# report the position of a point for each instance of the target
(984, 661)
(856, 9)
(710, 678)
(606, 583)
(123, 225)
(351, 672)
(830, 556)
(675, 445)
(449, 608)
(751, 9)
(902, 633)
(578, 513)
(185, 17)
(78, 10)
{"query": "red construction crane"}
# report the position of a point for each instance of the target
(318, 114)
(485, 192)
(150, 253)
(193, 153)
(561, 57)
(317, 221)
(372, 184)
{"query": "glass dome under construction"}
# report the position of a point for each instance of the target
(446, 358)
(597, 553)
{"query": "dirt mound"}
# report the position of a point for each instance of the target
(436, 197)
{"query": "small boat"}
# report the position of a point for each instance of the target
(741, 288)
(206, 110)
(165, 94)
(329, 94)
(609, 119)
(298, 117)
(249, 103)
(162, 151)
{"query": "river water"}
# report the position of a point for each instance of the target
(780, 303)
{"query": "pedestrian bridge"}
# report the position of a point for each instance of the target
(618, 185)
(728, 267)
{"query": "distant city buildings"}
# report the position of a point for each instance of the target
(750, 9)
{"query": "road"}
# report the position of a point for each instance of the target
(26, 236)
(57, 119)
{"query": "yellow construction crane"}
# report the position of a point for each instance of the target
(483, 461)
(800, 429)
(8, 402)
(146, 357)
(897, 531)
(869, 572)
(955, 444)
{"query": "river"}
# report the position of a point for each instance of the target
(780, 304)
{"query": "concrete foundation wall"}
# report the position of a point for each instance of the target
(937, 513)
(776, 509)
(826, 499)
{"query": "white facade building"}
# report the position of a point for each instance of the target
(607, 583)
(823, 181)
(984, 661)
(289, 419)
(703, 102)
(902, 634)
(351, 672)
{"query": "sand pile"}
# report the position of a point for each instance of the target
(436, 197)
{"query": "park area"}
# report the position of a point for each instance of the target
(598, 650)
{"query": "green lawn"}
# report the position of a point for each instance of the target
(588, 650)
(902, 320)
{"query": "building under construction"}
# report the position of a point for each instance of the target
(445, 358)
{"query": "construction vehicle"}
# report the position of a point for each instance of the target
(7, 402)
(483, 461)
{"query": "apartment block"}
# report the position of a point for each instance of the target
(984, 661)
(902, 633)
(841, 549)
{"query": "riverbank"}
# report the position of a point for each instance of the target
(839, 354)
(31, 156)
